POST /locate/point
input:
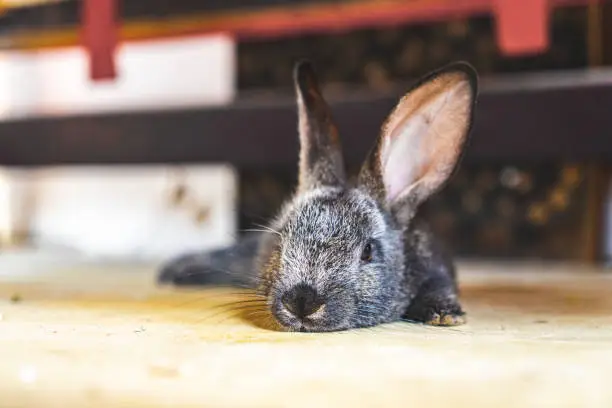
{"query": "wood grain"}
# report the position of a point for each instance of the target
(105, 336)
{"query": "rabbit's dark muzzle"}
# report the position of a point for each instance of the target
(302, 308)
(302, 301)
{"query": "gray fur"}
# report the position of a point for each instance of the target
(319, 235)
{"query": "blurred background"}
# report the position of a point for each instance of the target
(143, 128)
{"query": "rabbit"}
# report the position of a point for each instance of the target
(347, 253)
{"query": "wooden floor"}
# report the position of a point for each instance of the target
(538, 336)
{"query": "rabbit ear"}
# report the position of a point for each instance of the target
(422, 140)
(321, 162)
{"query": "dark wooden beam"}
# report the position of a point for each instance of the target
(531, 118)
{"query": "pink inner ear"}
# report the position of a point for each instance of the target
(422, 146)
(402, 156)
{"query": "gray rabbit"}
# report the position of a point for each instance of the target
(346, 254)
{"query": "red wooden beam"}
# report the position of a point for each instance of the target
(522, 25)
(99, 36)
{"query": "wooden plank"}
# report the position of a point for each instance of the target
(103, 336)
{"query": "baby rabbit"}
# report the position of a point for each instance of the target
(347, 254)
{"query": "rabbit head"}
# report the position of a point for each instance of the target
(337, 260)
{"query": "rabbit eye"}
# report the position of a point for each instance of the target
(366, 254)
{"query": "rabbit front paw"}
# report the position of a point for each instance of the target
(436, 311)
(446, 319)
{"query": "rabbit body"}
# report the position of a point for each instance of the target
(346, 254)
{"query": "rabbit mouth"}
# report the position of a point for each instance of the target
(306, 327)
(339, 321)
(318, 321)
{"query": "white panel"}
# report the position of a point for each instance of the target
(193, 71)
(121, 212)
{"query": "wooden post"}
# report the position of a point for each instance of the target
(522, 26)
(99, 36)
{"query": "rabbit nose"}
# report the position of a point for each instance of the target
(302, 301)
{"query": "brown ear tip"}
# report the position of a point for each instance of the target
(304, 75)
(467, 70)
